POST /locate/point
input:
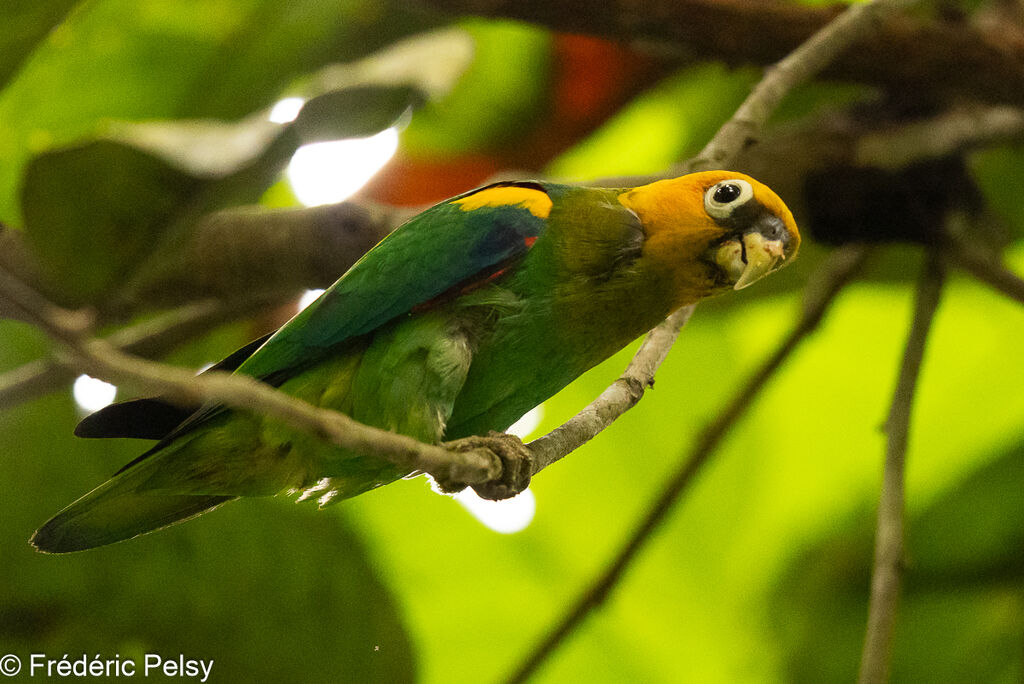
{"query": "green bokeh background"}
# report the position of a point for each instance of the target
(760, 575)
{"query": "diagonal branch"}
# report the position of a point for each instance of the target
(151, 338)
(615, 400)
(833, 275)
(101, 359)
(745, 126)
(799, 66)
(985, 266)
(886, 578)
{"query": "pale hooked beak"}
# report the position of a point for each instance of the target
(750, 260)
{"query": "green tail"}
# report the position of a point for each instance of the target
(118, 510)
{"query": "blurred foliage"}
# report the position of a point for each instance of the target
(146, 184)
(491, 104)
(762, 573)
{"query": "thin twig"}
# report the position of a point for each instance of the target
(832, 276)
(101, 359)
(962, 127)
(886, 577)
(985, 266)
(745, 124)
(616, 399)
(816, 53)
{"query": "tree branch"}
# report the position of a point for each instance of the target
(101, 359)
(832, 276)
(616, 399)
(730, 139)
(234, 254)
(252, 249)
(806, 61)
(745, 125)
(886, 578)
(942, 59)
(960, 128)
(149, 339)
(985, 266)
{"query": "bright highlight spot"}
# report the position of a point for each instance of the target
(526, 425)
(308, 297)
(507, 517)
(286, 110)
(326, 172)
(92, 394)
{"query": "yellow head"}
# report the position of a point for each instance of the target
(714, 230)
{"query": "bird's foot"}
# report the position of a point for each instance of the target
(516, 464)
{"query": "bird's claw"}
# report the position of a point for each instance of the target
(516, 464)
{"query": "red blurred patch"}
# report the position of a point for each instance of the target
(410, 182)
(592, 79)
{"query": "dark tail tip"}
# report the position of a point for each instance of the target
(81, 527)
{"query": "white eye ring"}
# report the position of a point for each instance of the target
(722, 198)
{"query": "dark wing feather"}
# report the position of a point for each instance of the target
(152, 418)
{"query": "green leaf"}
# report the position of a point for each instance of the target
(149, 59)
(26, 23)
(961, 586)
(92, 211)
(502, 91)
(96, 211)
(357, 112)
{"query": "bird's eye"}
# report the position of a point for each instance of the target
(722, 198)
(726, 193)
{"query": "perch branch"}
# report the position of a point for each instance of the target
(101, 359)
(832, 276)
(745, 125)
(616, 399)
(885, 580)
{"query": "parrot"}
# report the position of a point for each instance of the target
(456, 324)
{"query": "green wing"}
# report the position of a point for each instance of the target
(444, 248)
